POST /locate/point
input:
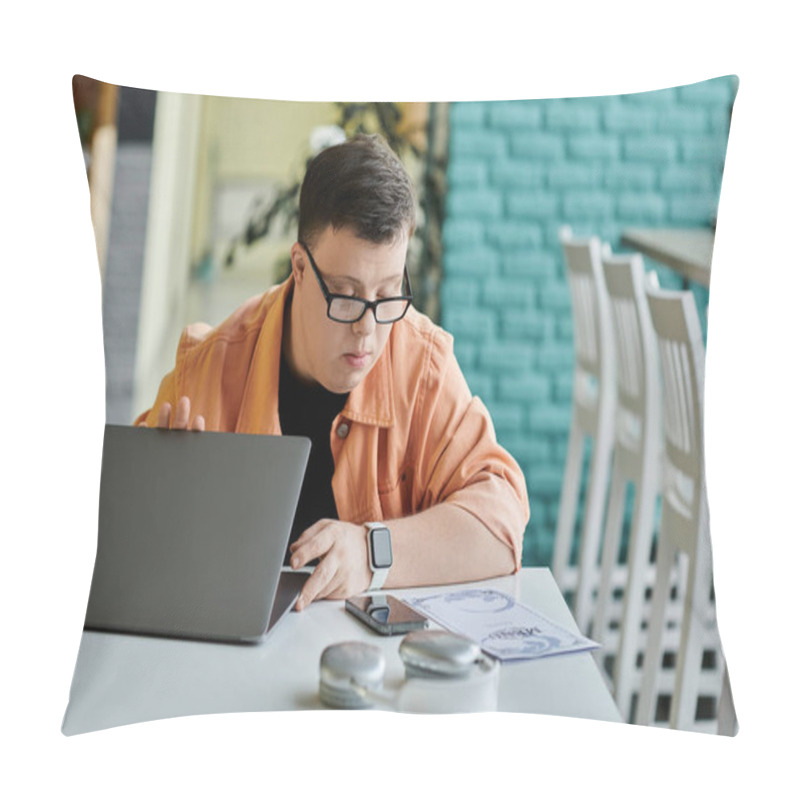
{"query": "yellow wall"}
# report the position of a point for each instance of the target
(260, 137)
(243, 139)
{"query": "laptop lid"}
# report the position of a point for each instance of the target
(192, 532)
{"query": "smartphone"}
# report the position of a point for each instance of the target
(385, 614)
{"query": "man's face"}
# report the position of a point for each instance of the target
(339, 355)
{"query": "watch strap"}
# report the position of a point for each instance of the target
(378, 573)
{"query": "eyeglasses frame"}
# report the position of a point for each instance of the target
(368, 304)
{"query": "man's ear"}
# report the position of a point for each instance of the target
(298, 257)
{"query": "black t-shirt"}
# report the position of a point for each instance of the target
(309, 410)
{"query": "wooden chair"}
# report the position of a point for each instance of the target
(593, 402)
(684, 531)
(636, 463)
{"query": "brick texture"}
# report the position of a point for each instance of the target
(519, 170)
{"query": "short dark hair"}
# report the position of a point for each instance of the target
(359, 184)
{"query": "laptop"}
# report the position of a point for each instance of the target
(193, 528)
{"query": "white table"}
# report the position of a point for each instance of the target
(123, 679)
(685, 250)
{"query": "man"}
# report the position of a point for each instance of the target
(337, 353)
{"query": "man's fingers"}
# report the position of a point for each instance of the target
(308, 533)
(163, 415)
(181, 418)
(182, 412)
(315, 586)
(314, 546)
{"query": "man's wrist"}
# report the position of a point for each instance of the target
(379, 552)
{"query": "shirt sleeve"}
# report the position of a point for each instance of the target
(459, 458)
(171, 387)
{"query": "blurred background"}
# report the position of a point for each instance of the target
(193, 200)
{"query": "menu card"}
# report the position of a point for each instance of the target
(501, 626)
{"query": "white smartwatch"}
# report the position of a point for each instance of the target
(379, 547)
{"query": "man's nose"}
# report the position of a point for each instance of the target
(366, 325)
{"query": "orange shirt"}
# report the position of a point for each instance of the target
(410, 435)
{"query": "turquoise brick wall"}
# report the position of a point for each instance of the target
(519, 170)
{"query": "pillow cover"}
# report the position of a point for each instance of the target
(194, 209)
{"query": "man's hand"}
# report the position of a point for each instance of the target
(181, 418)
(343, 569)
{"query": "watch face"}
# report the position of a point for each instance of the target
(381, 548)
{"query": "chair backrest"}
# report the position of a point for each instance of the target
(636, 352)
(682, 356)
(684, 511)
(621, 600)
(593, 404)
(591, 317)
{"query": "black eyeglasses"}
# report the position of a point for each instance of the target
(346, 308)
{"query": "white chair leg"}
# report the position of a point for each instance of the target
(592, 525)
(690, 653)
(568, 505)
(727, 724)
(641, 538)
(645, 709)
(611, 537)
